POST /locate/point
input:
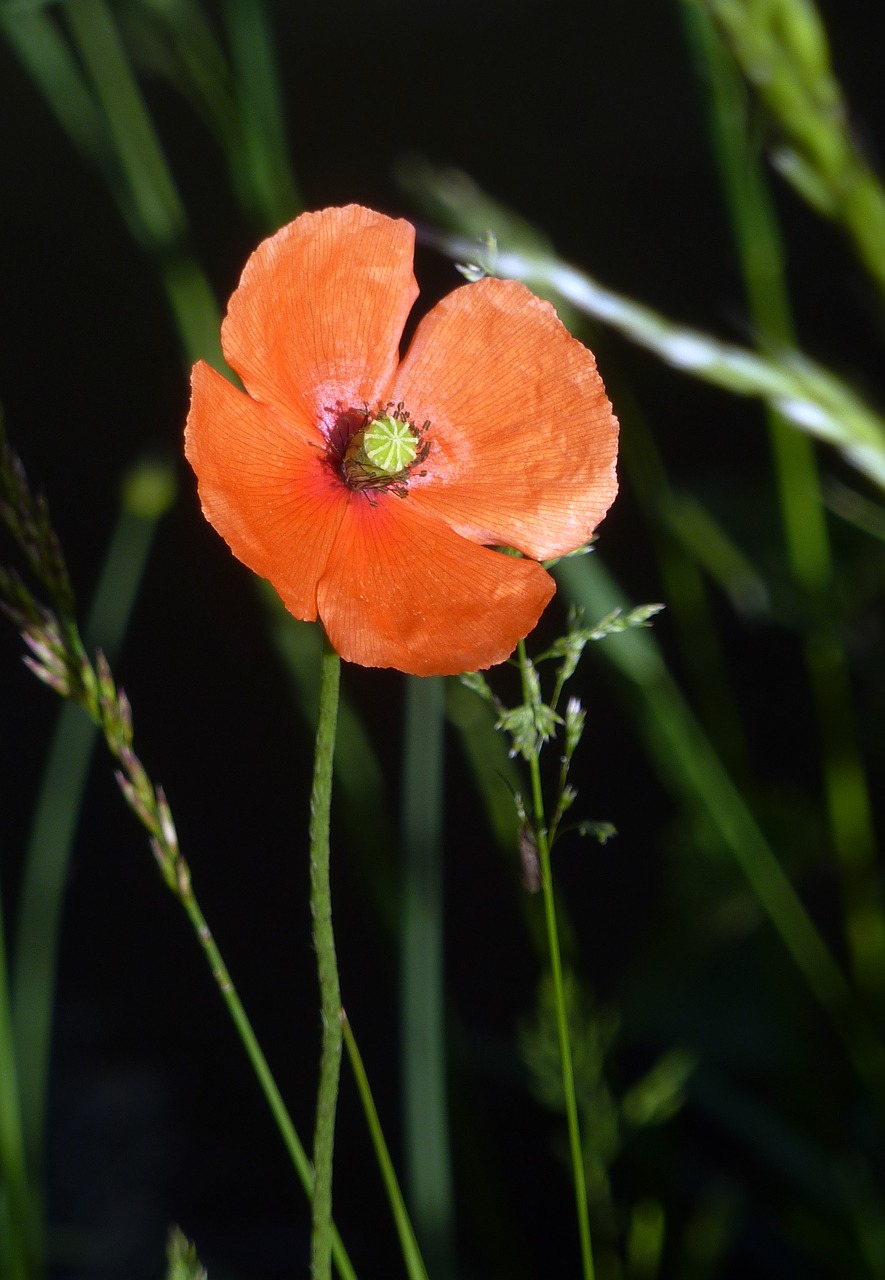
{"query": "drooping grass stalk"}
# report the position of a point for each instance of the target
(562, 1028)
(408, 1243)
(147, 494)
(689, 763)
(262, 1071)
(327, 964)
(808, 396)
(57, 656)
(422, 982)
(805, 531)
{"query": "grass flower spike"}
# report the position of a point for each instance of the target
(370, 491)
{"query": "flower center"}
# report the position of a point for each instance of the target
(384, 450)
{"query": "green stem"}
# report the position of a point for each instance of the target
(327, 964)
(422, 985)
(565, 1049)
(408, 1244)
(20, 1243)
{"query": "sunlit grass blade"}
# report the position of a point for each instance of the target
(408, 1244)
(688, 763)
(806, 535)
(808, 396)
(422, 977)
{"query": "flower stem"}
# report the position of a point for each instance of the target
(565, 1050)
(327, 964)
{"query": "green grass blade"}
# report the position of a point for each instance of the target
(263, 160)
(44, 54)
(783, 49)
(138, 150)
(688, 763)
(807, 540)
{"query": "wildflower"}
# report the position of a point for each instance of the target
(370, 491)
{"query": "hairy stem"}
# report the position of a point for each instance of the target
(327, 965)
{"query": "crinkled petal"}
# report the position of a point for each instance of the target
(316, 320)
(402, 590)
(524, 441)
(267, 490)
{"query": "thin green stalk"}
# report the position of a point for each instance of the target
(256, 1057)
(327, 964)
(565, 1049)
(408, 1243)
(422, 983)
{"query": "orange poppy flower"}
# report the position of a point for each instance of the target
(370, 490)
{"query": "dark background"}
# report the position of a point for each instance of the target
(588, 120)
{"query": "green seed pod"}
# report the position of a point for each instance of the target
(389, 444)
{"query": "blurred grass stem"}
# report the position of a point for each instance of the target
(21, 1240)
(422, 982)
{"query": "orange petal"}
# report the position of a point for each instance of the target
(318, 315)
(524, 441)
(264, 488)
(402, 590)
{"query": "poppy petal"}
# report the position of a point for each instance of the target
(402, 590)
(523, 438)
(265, 489)
(316, 320)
